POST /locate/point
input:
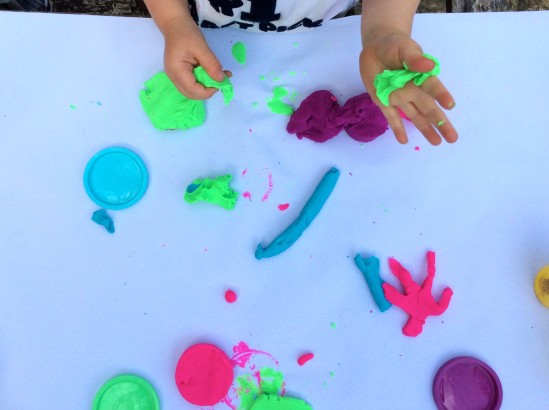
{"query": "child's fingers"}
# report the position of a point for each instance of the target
(422, 123)
(395, 122)
(434, 87)
(211, 64)
(185, 81)
(436, 117)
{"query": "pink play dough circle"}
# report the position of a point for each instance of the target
(204, 374)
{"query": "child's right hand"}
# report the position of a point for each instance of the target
(185, 49)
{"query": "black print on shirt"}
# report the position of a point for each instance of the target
(226, 7)
(260, 16)
(261, 11)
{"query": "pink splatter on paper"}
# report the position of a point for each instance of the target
(417, 148)
(243, 353)
(283, 207)
(245, 171)
(230, 296)
(304, 358)
(248, 195)
(270, 187)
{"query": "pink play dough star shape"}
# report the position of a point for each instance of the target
(417, 300)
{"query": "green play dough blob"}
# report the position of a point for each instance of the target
(275, 103)
(225, 86)
(239, 52)
(216, 191)
(271, 402)
(167, 108)
(391, 80)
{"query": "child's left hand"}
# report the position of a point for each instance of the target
(390, 50)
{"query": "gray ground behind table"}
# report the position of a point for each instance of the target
(137, 7)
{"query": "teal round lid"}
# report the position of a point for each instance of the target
(115, 178)
(126, 392)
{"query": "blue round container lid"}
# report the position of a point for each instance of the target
(115, 178)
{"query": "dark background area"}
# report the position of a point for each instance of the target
(136, 8)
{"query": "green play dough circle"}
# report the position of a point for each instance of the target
(126, 392)
(167, 108)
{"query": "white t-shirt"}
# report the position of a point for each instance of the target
(266, 15)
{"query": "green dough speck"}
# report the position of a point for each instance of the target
(275, 103)
(225, 86)
(167, 108)
(272, 402)
(391, 80)
(239, 52)
(216, 191)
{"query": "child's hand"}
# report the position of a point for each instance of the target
(390, 50)
(185, 49)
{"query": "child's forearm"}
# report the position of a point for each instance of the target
(387, 14)
(164, 11)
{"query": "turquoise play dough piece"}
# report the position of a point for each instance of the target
(101, 217)
(306, 216)
(115, 178)
(370, 269)
(391, 80)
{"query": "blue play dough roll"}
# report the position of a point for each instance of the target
(306, 216)
(370, 269)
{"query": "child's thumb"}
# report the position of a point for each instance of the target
(412, 58)
(213, 67)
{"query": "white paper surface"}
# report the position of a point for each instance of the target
(79, 306)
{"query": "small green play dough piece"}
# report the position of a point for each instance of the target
(275, 103)
(216, 191)
(126, 392)
(272, 402)
(391, 80)
(225, 86)
(239, 52)
(167, 108)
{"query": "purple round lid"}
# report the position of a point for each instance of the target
(466, 383)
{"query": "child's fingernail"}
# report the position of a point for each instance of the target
(451, 104)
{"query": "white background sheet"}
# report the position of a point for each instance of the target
(78, 306)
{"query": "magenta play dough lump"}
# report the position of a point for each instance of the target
(362, 118)
(316, 117)
(204, 374)
(320, 118)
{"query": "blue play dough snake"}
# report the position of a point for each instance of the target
(306, 216)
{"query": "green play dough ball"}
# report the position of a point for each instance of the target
(391, 80)
(167, 108)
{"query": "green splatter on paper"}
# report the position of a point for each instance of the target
(167, 108)
(239, 52)
(276, 105)
(216, 191)
(225, 86)
(265, 395)
(392, 80)
(73, 107)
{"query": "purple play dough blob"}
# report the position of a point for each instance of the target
(362, 118)
(316, 117)
(320, 118)
(466, 383)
